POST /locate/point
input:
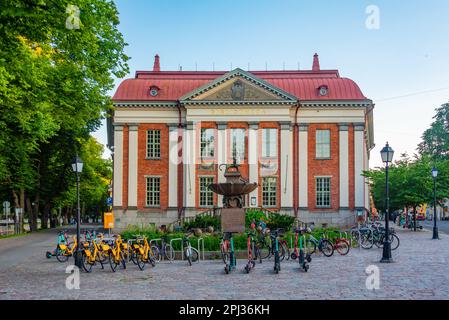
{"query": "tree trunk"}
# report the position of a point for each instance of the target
(414, 218)
(22, 213)
(45, 216)
(35, 210)
(29, 210)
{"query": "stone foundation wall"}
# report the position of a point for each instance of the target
(125, 218)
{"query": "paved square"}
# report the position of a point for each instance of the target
(419, 272)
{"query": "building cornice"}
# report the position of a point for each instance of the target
(337, 104)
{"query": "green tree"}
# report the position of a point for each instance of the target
(54, 84)
(435, 140)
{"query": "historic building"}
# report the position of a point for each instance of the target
(305, 136)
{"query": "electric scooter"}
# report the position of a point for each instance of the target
(275, 242)
(250, 244)
(62, 239)
(231, 264)
(304, 258)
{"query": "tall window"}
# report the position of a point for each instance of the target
(153, 191)
(269, 143)
(323, 144)
(269, 192)
(238, 143)
(207, 143)
(153, 144)
(206, 195)
(323, 192)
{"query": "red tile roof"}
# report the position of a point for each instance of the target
(302, 84)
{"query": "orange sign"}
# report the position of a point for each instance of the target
(108, 220)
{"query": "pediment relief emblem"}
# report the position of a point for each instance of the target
(238, 85)
(238, 90)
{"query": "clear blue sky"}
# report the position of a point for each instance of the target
(407, 55)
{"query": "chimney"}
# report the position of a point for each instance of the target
(316, 63)
(156, 65)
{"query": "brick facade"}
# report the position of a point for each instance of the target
(152, 167)
(324, 167)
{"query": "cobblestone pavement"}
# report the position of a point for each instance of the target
(419, 272)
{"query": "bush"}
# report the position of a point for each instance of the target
(277, 221)
(254, 215)
(204, 222)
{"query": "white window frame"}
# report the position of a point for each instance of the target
(153, 144)
(266, 143)
(205, 192)
(321, 194)
(154, 195)
(240, 145)
(205, 146)
(323, 144)
(268, 202)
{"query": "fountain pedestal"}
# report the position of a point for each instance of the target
(233, 190)
(233, 220)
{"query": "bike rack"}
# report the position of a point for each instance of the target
(182, 246)
(156, 240)
(200, 240)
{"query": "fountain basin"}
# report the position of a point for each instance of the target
(233, 189)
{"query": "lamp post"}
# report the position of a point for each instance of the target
(435, 228)
(77, 166)
(387, 157)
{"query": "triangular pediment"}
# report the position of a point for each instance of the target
(238, 86)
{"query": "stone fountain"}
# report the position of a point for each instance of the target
(233, 190)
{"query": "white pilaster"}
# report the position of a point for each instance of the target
(173, 167)
(286, 166)
(132, 165)
(118, 167)
(367, 189)
(344, 166)
(359, 180)
(221, 154)
(189, 165)
(303, 166)
(253, 160)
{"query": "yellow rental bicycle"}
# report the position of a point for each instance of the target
(142, 253)
(116, 254)
(64, 251)
(93, 254)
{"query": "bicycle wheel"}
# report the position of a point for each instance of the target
(342, 247)
(265, 251)
(367, 240)
(285, 251)
(61, 255)
(122, 260)
(102, 257)
(310, 246)
(169, 252)
(224, 248)
(195, 255)
(156, 253)
(150, 259)
(112, 262)
(394, 240)
(188, 255)
(355, 239)
(87, 266)
(327, 247)
(282, 251)
(139, 261)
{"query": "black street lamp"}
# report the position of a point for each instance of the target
(77, 166)
(435, 229)
(387, 157)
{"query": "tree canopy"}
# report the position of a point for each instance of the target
(411, 183)
(58, 59)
